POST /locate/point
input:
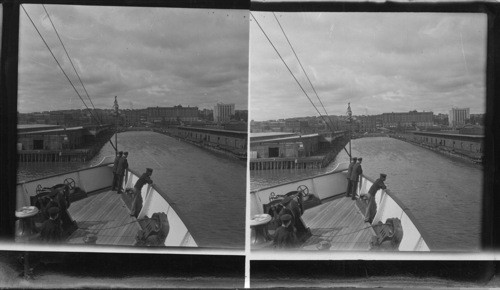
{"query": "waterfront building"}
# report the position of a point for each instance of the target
(465, 144)
(224, 139)
(223, 112)
(458, 116)
(44, 137)
(369, 123)
(407, 119)
(283, 145)
(170, 114)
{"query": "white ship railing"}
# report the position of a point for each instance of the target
(155, 200)
(99, 178)
(334, 184)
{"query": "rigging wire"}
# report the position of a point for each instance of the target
(99, 121)
(302, 67)
(58, 64)
(296, 80)
(74, 68)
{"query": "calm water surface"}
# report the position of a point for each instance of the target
(209, 189)
(443, 194)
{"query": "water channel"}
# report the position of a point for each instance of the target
(443, 194)
(208, 188)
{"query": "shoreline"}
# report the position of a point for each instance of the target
(447, 153)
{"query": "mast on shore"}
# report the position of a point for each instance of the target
(116, 107)
(349, 117)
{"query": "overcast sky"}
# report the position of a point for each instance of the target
(145, 56)
(379, 62)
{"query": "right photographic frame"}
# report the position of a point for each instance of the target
(367, 129)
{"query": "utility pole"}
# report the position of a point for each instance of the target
(116, 107)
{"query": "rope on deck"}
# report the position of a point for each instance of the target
(345, 234)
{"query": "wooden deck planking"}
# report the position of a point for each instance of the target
(105, 215)
(339, 222)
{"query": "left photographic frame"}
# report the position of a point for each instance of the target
(166, 86)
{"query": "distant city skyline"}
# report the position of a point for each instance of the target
(111, 109)
(378, 62)
(141, 55)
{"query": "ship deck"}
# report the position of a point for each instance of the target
(105, 215)
(341, 223)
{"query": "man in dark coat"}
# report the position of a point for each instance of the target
(51, 229)
(355, 176)
(291, 207)
(120, 171)
(137, 201)
(284, 236)
(349, 172)
(115, 167)
(371, 209)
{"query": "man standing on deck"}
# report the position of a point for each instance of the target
(285, 234)
(115, 167)
(371, 210)
(137, 201)
(51, 229)
(355, 175)
(349, 172)
(120, 171)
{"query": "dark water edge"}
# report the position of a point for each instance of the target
(444, 194)
(208, 188)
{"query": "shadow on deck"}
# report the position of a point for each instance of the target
(104, 215)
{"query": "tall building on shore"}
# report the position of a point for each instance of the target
(223, 112)
(458, 116)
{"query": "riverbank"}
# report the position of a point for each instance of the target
(453, 153)
(210, 146)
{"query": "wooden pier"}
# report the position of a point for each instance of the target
(286, 163)
(66, 155)
(54, 156)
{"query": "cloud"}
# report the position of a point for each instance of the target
(377, 61)
(142, 55)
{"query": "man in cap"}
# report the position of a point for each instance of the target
(120, 171)
(349, 172)
(291, 207)
(115, 167)
(51, 229)
(371, 209)
(355, 176)
(137, 202)
(284, 236)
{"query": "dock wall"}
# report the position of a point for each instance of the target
(319, 161)
(66, 155)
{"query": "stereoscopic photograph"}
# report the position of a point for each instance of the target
(367, 131)
(132, 126)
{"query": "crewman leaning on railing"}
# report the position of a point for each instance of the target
(137, 202)
(371, 209)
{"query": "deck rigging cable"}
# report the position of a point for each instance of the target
(345, 234)
(58, 64)
(302, 67)
(295, 78)
(67, 54)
